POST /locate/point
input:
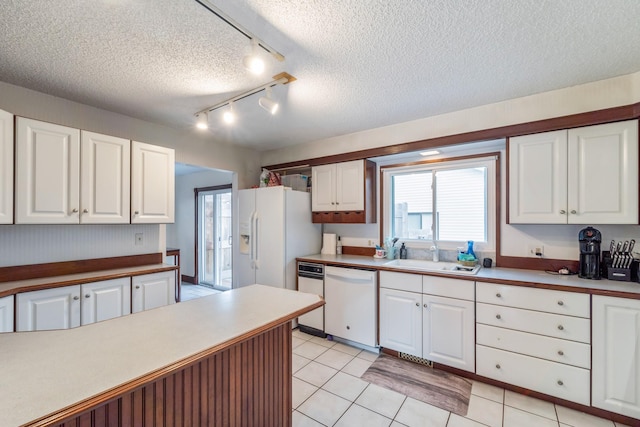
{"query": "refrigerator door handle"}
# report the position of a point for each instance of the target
(255, 241)
(253, 236)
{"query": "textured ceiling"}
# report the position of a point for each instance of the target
(360, 64)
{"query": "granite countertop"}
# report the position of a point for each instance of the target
(495, 275)
(44, 372)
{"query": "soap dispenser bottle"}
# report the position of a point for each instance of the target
(403, 252)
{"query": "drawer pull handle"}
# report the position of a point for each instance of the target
(498, 316)
(560, 303)
(497, 366)
(498, 295)
(560, 353)
(560, 382)
(561, 327)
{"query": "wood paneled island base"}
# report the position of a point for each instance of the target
(248, 384)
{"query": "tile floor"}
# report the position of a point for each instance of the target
(189, 291)
(328, 391)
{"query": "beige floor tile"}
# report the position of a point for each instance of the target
(298, 362)
(301, 420)
(295, 342)
(368, 355)
(358, 416)
(415, 413)
(357, 367)
(324, 407)
(381, 400)
(530, 404)
(315, 373)
(488, 391)
(353, 351)
(345, 386)
(485, 411)
(335, 359)
(516, 418)
(299, 334)
(309, 350)
(302, 390)
(458, 421)
(323, 342)
(580, 419)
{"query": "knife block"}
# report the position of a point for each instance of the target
(620, 274)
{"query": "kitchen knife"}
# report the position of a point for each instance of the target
(632, 243)
(612, 247)
(619, 247)
(625, 246)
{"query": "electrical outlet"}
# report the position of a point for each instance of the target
(536, 251)
(370, 243)
(139, 239)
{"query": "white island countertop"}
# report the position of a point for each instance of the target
(43, 372)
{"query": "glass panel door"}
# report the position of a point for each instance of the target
(215, 238)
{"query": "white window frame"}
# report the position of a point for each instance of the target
(490, 162)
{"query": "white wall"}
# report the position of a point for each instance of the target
(39, 244)
(181, 234)
(559, 241)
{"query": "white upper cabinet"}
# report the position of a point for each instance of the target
(338, 187)
(152, 183)
(586, 175)
(105, 179)
(6, 167)
(47, 173)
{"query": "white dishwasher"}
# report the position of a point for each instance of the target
(350, 310)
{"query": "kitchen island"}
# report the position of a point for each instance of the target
(218, 360)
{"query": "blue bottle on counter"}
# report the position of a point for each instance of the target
(470, 249)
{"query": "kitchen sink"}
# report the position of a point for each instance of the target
(425, 265)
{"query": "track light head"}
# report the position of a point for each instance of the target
(203, 121)
(229, 116)
(253, 62)
(267, 103)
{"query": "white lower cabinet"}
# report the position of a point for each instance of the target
(152, 290)
(419, 317)
(56, 308)
(6, 314)
(105, 300)
(616, 355)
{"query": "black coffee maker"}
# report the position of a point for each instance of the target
(590, 239)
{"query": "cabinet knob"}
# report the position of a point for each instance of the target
(560, 327)
(348, 327)
(497, 366)
(560, 353)
(75, 210)
(563, 212)
(560, 302)
(85, 210)
(137, 286)
(136, 213)
(498, 316)
(560, 382)
(87, 296)
(76, 297)
(417, 304)
(333, 203)
(425, 305)
(573, 212)
(337, 203)
(498, 295)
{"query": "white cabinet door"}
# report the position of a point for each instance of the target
(350, 186)
(615, 364)
(6, 168)
(6, 314)
(47, 173)
(152, 184)
(323, 190)
(448, 332)
(401, 321)
(56, 308)
(152, 290)
(538, 178)
(603, 174)
(105, 300)
(105, 184)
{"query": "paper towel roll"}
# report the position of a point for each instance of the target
(328, 244)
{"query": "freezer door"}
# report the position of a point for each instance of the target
(269, 236)
(244, 263)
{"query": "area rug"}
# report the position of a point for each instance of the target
(432, 386)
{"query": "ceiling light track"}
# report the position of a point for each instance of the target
(278, 79)
(248, 34)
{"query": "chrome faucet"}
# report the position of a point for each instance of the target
(436, 253)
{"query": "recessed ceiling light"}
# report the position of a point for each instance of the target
(430, 153)
(203, 121)
(229, 115)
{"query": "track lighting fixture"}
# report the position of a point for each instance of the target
(430, 153)
(203, 120)
(253, 62)
(267, 102)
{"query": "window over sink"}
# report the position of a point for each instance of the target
(445, 203)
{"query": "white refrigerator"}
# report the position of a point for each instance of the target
(275, 227)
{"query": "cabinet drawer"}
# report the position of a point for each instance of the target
(553, 349)
(559, 302)
(401, 281)
(452, 288)
(555, 379)
(552, 325)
